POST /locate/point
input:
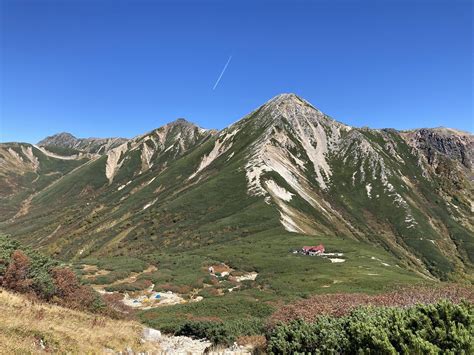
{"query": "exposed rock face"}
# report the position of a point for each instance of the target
(454, 144)
(295, 143)
(292, 123)
(88, 145)
(17, 157)
(62, 139)
(24, 170)
(175, 137)
(449, 154)
(158, 147)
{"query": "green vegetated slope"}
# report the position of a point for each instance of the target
(283, 176)
(438, 328)
(26, 170)
(282, 276)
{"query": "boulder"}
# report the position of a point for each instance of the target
(150, 334)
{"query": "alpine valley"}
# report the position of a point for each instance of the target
(394, 206)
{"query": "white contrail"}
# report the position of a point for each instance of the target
(222, 73)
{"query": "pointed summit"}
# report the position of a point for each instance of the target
(289, 99)
(293, 110)
(180, 122)
(285, 101)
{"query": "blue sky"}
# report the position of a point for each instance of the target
(120, 68)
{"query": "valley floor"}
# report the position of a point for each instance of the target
(253, 277)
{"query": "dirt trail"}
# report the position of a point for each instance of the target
(129, 279)
(134, 275)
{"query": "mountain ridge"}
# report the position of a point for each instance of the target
(287, 163)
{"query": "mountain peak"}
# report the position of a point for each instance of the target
(285, 96)
(64, 134)
(89, 145)
(290, 104)
(181, 122)
(58, 139)
(288, 98)
(294, 110)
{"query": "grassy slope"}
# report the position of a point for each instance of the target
(27, 183)
(24, 323)
(283, 276)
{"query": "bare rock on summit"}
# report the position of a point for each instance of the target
(86, 145)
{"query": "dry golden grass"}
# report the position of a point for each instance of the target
(28, 327)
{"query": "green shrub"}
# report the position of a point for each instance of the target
(300, 337)
(224, 333)
(129, 286)
(216, 332)
(108, 278)
(443, 327)
(39, 267)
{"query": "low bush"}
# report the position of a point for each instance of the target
(108, 278)
(223, 333)
(443, 327)
(25, 271)
(180, 289)
(129, 286)
(216, 332)
(118, 263)
(343, 303)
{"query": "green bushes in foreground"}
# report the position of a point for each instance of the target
(224, 333)
(437, 328)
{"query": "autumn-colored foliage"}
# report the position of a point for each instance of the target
(26, 271)
(66, 282)
(342, 304)
(70, 293)
(16, 276)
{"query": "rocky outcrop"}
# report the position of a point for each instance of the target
(454, 144)
(87, 145)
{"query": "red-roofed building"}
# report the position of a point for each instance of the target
(314, 250)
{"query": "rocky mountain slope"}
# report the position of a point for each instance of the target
(68, 143)
(286, 165)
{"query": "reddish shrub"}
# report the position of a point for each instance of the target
(66, 282)
(71, 294)
(341, 304)
(114, 302)
(16, 274)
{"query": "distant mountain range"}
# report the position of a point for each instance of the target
(88, 145)
(285, 165)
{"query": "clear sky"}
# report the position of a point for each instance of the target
(121, 68)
